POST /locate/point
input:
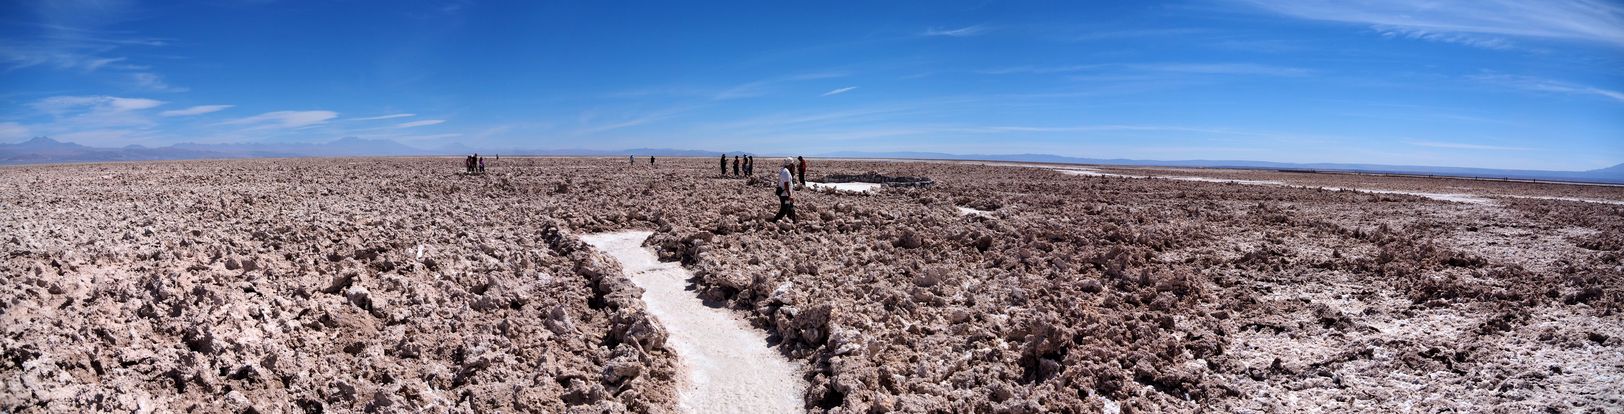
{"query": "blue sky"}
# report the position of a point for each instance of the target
(1486, 83)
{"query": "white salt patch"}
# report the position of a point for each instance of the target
(1459, 198)
(965, 211)
(1111, 407)
(728, 366)
(1582, 200)
(1226, 180)
(853, 187)
(1086, 172)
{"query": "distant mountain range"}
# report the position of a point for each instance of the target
(44, 150)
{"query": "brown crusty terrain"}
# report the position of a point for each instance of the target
(292, 284)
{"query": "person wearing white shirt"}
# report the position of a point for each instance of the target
(786, 201)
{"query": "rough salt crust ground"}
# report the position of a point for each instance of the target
(281, 285)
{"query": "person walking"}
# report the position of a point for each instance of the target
(802, 174)
(481, 165)
(631, 159)
(786, 201)
(724, 164)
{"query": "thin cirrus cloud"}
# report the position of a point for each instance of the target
(1586, 20)
(285, 119)
(153, 82)
(425, 122)
(1184, 68)
(966, 31)
(390, 116)
(1535, 84)
(839, 91)
(57, 105)
(196, 110)
(12, 130)
(1465, 146)
(1486, 42)
(764, 86)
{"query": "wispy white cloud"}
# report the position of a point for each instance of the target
(762, 87)
(1188, 68)
(195, 110)
(1586, 20)
(284, 119)
(153, 82)
(75, 36)
(1038, 70)
(1224, 69)
(838, 91)
(1481, 41)
(57, 105)
(1547, 85)
(82, 113)
(644, 118)
(966, 31)
(1104, 128)
(1135, 33)
(1457, 145)
(623, 124)
(12, 131)
(390, 116)
(425, 122)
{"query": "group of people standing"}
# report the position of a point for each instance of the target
(793, 168)
(745, 165)
(475, 164)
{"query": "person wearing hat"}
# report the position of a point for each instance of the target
(786, 202)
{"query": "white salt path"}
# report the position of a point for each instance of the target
(853, 187)
(728, 366)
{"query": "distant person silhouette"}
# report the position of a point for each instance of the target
(724, 164)
(803, 169)
(651, 160)
(735, 166)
